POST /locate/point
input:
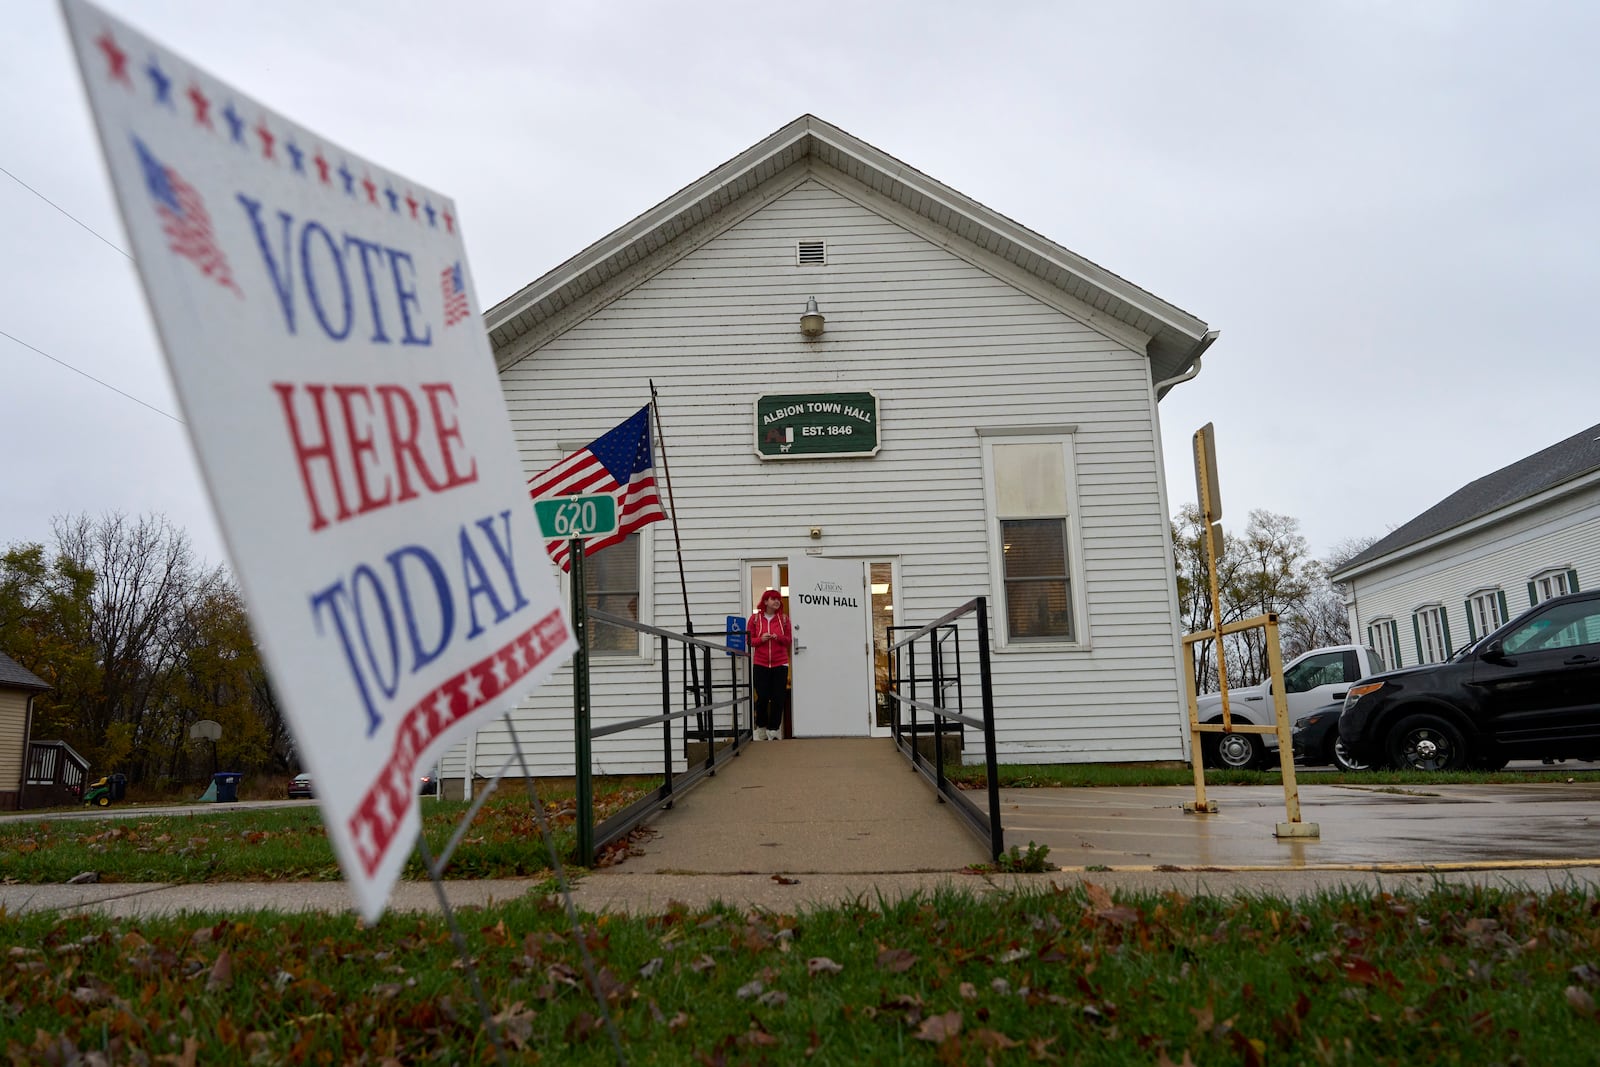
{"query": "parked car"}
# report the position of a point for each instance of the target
(1316, 740)
(1529, 690)
(300, 786)
(429, 786)
(1310, 680)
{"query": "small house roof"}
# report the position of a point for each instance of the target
(1562, 462)
(15, 676)
(1177, 338)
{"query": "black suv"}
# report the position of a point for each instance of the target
(1529, 690)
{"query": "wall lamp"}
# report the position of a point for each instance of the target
(811, 321)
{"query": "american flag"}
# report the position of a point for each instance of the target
(455, 294)
(617, 462)
(184, 219)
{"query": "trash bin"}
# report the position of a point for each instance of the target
(119, 786)
(227, 786)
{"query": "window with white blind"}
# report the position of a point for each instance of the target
(1558, 581)
(1030, 483)
(616, 581)
(1432, 633)
(1486, 612)
(1383, 635)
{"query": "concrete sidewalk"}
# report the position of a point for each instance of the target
(795, 824)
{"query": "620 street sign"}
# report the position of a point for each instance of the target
(586, 515)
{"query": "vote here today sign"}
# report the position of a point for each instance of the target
(321, 329)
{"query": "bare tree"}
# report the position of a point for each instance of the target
(144, 577)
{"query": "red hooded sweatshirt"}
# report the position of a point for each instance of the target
(773, 653)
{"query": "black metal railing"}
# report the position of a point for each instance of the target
(56, 775)
(934, 688)
(707, 716)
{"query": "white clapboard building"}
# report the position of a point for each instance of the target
(976, 417)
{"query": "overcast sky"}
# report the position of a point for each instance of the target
(1388, 209)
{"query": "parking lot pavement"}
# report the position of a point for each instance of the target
(1554, 823)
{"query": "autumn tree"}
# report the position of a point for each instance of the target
(138, 643)
(1266, 568)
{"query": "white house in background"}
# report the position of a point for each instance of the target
(1481, 556)
(990, 428)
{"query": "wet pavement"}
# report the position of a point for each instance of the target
(794, 824)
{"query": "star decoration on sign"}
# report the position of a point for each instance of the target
(161, 74)
(116, 58)
(202, 106)
(160, 82)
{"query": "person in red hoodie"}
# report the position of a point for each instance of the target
(770, 635)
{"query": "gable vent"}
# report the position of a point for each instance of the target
(811, 253)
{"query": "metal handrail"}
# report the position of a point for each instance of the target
(704, 712)
(987, 826)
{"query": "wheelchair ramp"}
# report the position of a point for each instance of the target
(813, 806)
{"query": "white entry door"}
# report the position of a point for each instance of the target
(832, 663)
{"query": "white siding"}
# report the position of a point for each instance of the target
(1564, 533)
(949, 348)
(13, 743)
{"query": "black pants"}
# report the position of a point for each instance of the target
(771, 685)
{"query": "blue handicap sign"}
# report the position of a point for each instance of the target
(735, 634)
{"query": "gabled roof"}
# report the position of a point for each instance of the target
(1541, 472)
(1177, 338)
(15, 676)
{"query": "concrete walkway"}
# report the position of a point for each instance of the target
(795, 824)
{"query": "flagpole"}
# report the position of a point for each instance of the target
(683, 582)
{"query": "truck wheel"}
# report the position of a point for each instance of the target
(1340, 758)
(1427, 743)
(1233, 752)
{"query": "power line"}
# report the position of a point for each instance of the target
(109, 244)
(91, 377)
(61, 209)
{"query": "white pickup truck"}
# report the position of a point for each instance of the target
(1310, 680)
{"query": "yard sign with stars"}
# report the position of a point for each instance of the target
(318, 317)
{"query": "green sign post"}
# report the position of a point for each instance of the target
(811, 425)
(575, 519)
(588, 515)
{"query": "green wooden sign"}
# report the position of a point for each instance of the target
(809, 425)
(565, 517)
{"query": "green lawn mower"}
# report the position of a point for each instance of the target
(108, 788)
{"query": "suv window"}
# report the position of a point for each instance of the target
(1562, 626)
(1326, 669)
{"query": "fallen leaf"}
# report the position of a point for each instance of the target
(781, 880)
(822, 965)
(221, 976)
(750, 989)
(994, 1040)
(1580, 1001)
(897, 960)
(939, 1028)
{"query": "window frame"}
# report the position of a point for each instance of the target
(1061, 437)
(1541, 586)
(1383, 634)
(646, 650)
(1421, 616)
(1495, 598)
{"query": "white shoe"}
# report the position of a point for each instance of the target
(760, 735)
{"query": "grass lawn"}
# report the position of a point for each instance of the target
(290, 843)
(1070, 976)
